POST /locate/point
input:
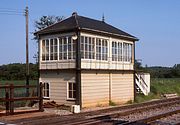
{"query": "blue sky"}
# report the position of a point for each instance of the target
(155, 22)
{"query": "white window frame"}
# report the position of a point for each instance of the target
(46, 97)
(87, 54)
(48, 41)
(73, 99)
(127, 52)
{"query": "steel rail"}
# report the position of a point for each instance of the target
(108, 117)
(152, 118)
(98, 116)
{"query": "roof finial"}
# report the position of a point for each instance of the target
(74, 14)
(103, 18)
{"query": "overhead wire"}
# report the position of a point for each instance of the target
(8, 11)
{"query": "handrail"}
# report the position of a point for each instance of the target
(141, 79)
(141, 83)
(18, 86)
(19, 99)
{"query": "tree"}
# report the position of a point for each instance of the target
(46, 21)
(138, 65)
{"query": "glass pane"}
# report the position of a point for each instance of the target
(74, 86)
(43, 57)
(74, 55)
(60, 56)
(47, 93)
(51, 57)
(55, 56)
(74, 94)
(70, 86)
(69, 55)
(47, 42)
(74, 46)
(70, 94)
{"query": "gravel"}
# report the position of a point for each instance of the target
(57, 111)
(171, 120)
(148, 113)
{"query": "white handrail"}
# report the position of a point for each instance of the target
(141, 84)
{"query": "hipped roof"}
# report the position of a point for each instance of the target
(76, 22)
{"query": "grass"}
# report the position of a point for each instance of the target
(111, 103)
(160, 86)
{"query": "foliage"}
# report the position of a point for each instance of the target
(160, 86)
(164, 72)
(138, 65)
(46, 21)
(111, 103)
(17, 71)
(129, 102)
(158, 71)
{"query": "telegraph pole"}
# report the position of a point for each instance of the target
(27, 52)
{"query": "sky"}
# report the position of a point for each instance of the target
(155, 22)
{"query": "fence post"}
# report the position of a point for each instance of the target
(7, 102)
(11, 99)
(41, 97)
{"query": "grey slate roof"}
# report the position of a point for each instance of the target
(84, 23)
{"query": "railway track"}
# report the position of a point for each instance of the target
(151, 119)
(104, 116)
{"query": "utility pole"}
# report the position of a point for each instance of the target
(27, 52)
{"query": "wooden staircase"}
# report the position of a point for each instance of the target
(142, 81)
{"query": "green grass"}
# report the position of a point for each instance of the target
(160, 86)
(111, 103)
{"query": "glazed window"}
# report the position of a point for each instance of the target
(127, 52)
(67, 48)
(43, 50)
(71, 90)
(53, 49)
(116, 51)
(101, 49)
(46, 90)
(87, 47)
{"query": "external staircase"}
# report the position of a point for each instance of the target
(142, 81)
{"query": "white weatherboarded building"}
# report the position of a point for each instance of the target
(86, 62)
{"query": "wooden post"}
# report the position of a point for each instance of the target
(7, 102)
(27, 52)
(78, 71)
(41, 97)
(11, 99)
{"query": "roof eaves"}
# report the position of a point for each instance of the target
(41, 30)
(55, 31)
(134, 38)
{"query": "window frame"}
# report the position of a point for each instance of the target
(46, 97)
(88, 47)
(68, 98)
(44, 51)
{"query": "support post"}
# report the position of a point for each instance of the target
(133, 61)
(78, 71)
(7, 102)
(27, 52)
(41, 97)
(11, 99)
